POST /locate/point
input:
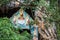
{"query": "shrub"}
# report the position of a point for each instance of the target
(8, 32)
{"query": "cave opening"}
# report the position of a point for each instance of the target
(9, 13)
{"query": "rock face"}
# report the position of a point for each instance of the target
(18, 3)
(46, 30)
(14, 5)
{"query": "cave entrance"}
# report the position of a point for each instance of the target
(8, 13)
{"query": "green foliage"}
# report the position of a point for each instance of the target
(43, 3)
(4, 2)
(26, 35)
(8, 32)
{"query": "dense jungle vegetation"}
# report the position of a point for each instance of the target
(53, 15)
